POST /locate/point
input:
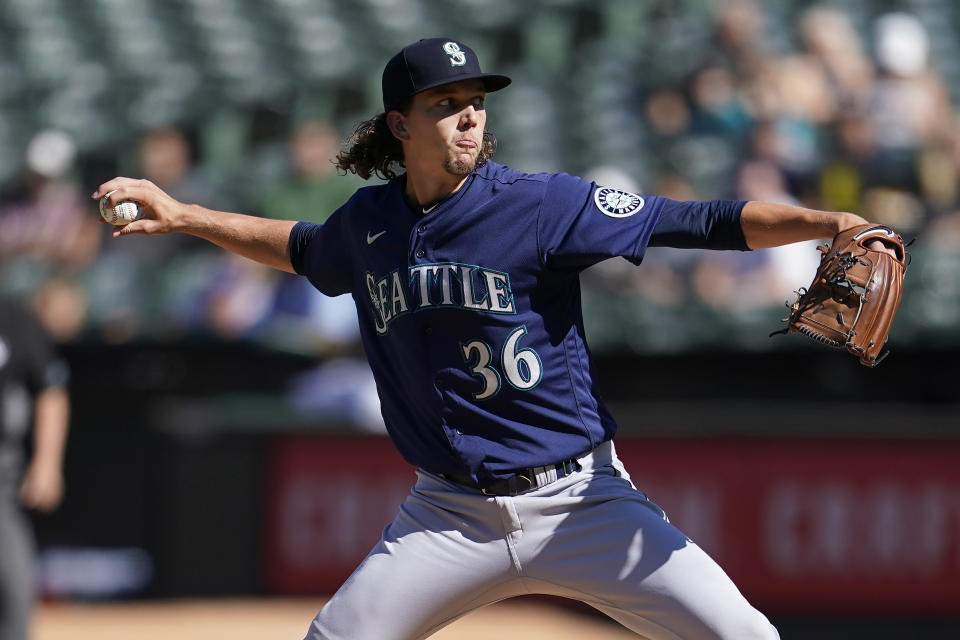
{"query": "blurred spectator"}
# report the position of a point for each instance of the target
(792, 99)
(61, 305)
(899, 208)
(667, 113)
(313, 190)
(238, 300)
(836, 106)
(853, 166)
(909, 107)
(128, 296)
(717, 107)
(165, 157)
(827, 35)
(50, 223)
(33, 398)
(738, 33)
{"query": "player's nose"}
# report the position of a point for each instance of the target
(469, 117)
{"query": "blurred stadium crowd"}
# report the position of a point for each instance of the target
(240, 104)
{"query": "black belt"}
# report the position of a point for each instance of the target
(520, 482)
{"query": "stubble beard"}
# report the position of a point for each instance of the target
(458, 167)
(461, 164)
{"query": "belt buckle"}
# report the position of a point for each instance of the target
(521, 482)
(516, 488)
(516, 484)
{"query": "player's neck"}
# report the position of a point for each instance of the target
(424, 190)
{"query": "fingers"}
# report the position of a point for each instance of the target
(137, 226)
(120, 189)
(145, 226)
(156, 205)
(107, 187)
(880, 245)
(113, 185)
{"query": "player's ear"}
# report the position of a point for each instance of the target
(397, 123)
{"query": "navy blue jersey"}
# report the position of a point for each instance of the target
(470, 312)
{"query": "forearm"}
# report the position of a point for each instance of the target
(261, 239)
(767, 224)
(51, 420)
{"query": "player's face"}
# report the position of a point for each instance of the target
(445, 127)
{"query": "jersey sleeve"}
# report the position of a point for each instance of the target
(712, 224)
(581, 223)
(319, 252)
(43, 368)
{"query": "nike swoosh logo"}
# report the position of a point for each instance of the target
(372, 238)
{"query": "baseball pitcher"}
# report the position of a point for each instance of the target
(465, 276)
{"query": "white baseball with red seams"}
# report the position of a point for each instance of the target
(122, 213)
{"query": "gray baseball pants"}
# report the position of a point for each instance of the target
(591, 536)
(16, 567)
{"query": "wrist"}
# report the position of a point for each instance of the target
(47, 459)
(843, 221)
(192, 219)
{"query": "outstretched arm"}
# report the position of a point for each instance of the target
(767, 224)
(260, 239)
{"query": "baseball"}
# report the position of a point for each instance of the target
(123, 213)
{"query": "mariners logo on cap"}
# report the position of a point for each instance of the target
(457, 57)
(616, 203)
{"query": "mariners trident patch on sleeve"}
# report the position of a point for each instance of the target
(616, 203)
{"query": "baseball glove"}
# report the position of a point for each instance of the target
(855, 294)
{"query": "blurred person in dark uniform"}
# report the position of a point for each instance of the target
(33, 398)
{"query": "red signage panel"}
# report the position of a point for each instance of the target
(327, 501)
(801, 526)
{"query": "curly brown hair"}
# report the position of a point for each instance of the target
(372, 150)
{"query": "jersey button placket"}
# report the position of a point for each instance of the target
(419, 241)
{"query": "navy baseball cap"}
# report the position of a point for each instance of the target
(429, 63)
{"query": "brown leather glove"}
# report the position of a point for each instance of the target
(855, 294)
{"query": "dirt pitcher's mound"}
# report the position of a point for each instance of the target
(289, 619)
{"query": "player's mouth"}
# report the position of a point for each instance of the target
(466, 144)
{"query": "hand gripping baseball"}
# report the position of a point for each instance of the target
(852, 300)
(160, 212)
